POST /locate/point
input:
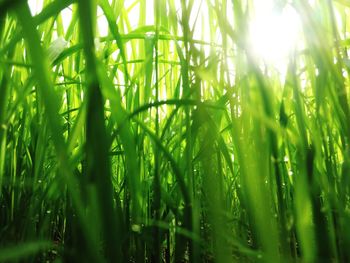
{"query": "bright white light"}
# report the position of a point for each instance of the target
(35, 6)
(273, 35)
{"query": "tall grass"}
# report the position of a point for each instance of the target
(170, 140)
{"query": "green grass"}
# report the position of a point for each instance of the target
(154, 144)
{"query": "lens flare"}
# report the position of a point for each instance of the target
(274, 34)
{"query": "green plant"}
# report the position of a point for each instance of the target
(168, 139)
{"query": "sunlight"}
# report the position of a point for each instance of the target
(274, 34)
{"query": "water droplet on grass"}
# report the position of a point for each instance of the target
(136, 228)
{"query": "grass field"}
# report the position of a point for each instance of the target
(174, 131)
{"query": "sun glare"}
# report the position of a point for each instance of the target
(274, 34)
